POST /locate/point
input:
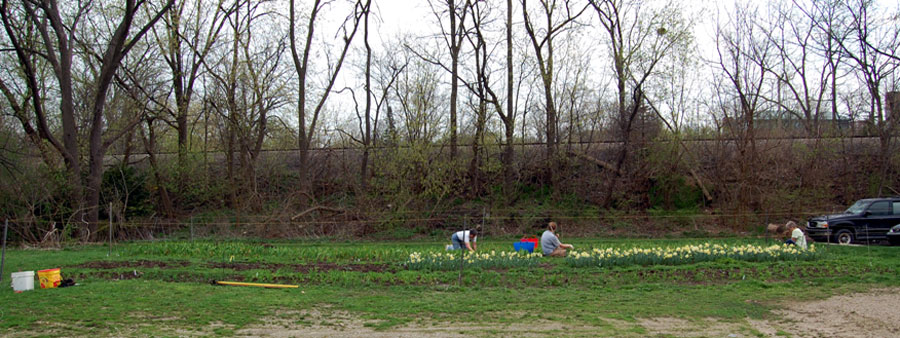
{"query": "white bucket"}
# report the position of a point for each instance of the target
(23, 281)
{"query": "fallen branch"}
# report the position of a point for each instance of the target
(593, 160)
(316, 208)
(700, 183)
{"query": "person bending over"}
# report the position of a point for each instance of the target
(466, 239)
(550, 243)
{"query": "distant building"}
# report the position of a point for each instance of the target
(782, 120)
(781, 123)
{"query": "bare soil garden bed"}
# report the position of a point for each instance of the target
(306, 268)
(303, 268)
(132, 264)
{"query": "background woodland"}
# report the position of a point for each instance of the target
(309, 118)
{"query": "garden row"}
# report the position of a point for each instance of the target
(711, 273)
(616, 263)
(615, 257)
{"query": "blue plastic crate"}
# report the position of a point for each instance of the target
(528, 246)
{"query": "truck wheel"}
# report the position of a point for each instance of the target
(843, 237)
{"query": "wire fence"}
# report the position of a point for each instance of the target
(416, 216)
(339, 148)
(402, 225)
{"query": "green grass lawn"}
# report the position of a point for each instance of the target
(163, 288)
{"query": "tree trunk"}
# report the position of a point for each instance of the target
(229, 167)
(305, 179)
(95, 176)
(165, 200)
(509, 122)
(182, 125)
(454, 77)
(475, 163)
(367, 137)
(58, 38)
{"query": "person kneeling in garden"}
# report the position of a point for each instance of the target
(466, 239)
(797, 236)
(550, 242)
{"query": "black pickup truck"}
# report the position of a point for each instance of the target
(866, 220)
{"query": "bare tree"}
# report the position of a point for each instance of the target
(804, 68)
(639, 38)
(59, 37)
(301, 58)
(874, 51)
(17, 101)
(860, 31)
(253, 85)
(149, 140)
(556, 17)
(675, 97)
(744, 55)
(189, 35)
(417, 92)
(509, 119)
(480, 87)
(456, 12)
(389, 66)
(367, 134)
(364, 119)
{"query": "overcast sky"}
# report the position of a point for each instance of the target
(415, 18)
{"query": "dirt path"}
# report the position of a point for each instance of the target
(869, 314)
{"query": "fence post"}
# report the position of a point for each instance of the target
(192, 228)
(109, 247)
(462, 260)
(462, 255)
(3, 255)
(483, 218)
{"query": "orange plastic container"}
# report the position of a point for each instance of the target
(49, 278)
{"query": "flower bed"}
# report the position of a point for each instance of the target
(688, 254)
(450, 261)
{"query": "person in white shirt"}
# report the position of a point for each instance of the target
(797, 236)
(466, 239)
